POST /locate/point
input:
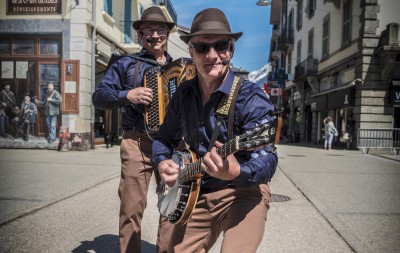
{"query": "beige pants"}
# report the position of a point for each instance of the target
(136, 171)
(239, 213)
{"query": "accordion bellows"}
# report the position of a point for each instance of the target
(164, 81)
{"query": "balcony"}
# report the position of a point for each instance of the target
(276, 55)
(169, 8)
(305, 69)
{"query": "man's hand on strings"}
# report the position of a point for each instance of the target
(227, 168)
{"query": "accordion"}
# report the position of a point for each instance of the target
(164, 81)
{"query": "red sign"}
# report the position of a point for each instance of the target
(276, 91)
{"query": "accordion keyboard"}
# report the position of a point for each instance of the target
(153, 117)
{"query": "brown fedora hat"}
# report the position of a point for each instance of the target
(152, 14)
(208, 22)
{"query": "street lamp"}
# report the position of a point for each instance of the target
(263, 3)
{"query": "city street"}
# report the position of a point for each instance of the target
(323, 201)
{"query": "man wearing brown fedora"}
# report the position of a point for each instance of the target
(234, 186)
(122, 87)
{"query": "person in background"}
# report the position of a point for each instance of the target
(121, 87)
(330, 132)
(349, 131)
(51, 103)
(27, 116)
(234, 193)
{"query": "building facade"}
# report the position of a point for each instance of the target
(344, 57)
(69, 43)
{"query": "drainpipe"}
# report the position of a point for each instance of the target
(93, 77)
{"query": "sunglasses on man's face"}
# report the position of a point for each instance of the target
(219, 46)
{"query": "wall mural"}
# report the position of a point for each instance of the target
(27, 104)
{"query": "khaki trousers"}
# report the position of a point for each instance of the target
(136, 172)
(239, 213)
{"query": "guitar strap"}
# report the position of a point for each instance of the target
(226, 108)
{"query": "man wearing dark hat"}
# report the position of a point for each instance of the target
(8, 103)
(122, 87)
(27, 116)
(234, 192)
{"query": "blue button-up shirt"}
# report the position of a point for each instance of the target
(187, 117)
(114, 87)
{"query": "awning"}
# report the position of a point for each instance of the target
(349, 85)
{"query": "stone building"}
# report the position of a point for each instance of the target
(70, 43)
(344, 57)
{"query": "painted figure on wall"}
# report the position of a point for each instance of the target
(51, 103)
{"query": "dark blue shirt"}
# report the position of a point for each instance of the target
(188, 118)
(113, 89)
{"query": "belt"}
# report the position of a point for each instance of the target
(133, 134)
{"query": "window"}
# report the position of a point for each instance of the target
(291, 22)
(311, 8)
(346, 36)
(310, 43)
(23, 46)
(298, 59)
(49, 46)
(4, 46)
(289, 68)
(299, 14)
(325, 36)
(108, 7)
(127, 25)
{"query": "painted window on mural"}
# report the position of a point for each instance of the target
(23, 47)
(49, 46)
(4, 46)
(49, 73)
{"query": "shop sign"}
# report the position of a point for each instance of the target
(395, 97)
(340, 99)
(319, 103)
(276, 92)
(29, 7)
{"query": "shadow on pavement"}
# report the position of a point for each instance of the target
(108, 244)
(102, 244)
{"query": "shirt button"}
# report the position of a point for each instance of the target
(202, 123)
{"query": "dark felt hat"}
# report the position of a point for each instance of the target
(211, 21)
(152, 14)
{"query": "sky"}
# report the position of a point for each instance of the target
(252, 49)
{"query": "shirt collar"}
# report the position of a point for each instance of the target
(226, 86)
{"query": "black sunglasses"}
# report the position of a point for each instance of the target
(219, 46)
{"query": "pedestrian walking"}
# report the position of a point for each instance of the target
(330, 132)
